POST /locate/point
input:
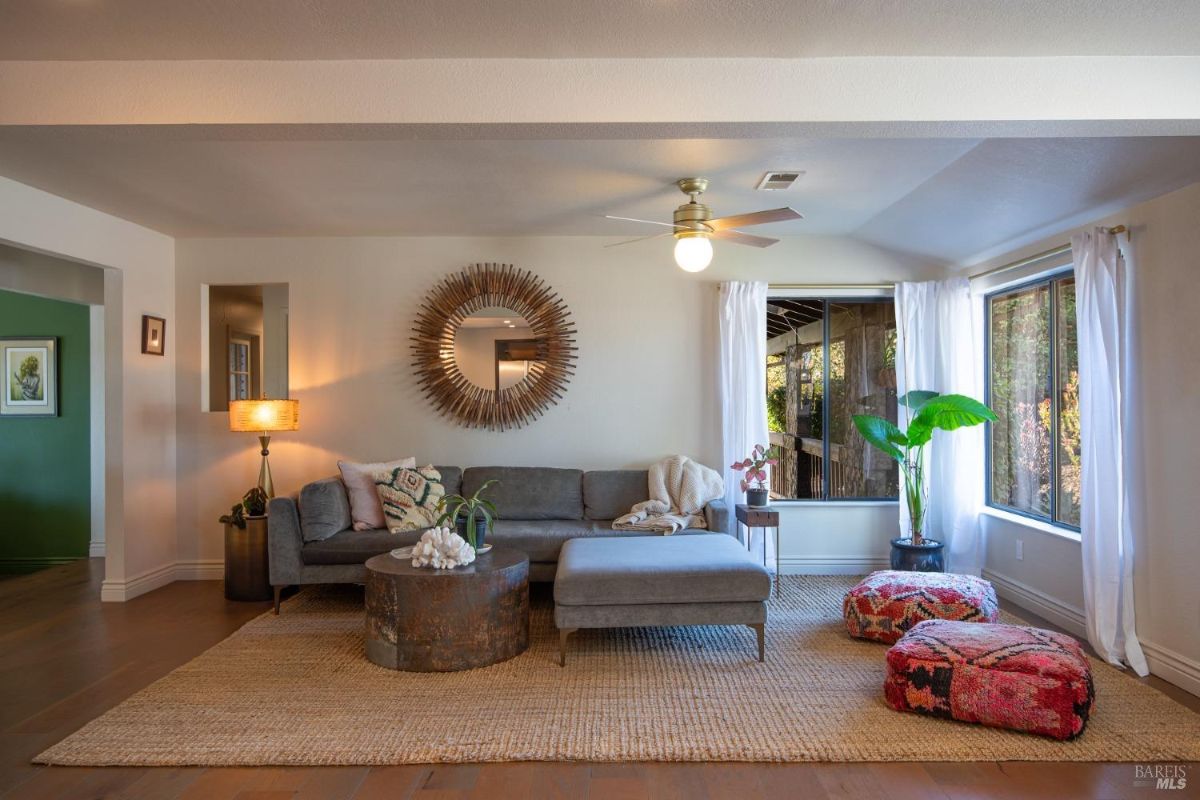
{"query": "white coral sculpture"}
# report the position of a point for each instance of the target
(442, 548)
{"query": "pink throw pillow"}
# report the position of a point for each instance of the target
(365, 508)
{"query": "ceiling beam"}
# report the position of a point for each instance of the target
(883, 94)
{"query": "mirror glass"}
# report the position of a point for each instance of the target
(494, 347)
(247, 353)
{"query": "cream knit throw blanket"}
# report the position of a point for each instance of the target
(679, 490)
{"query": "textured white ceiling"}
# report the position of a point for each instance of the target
(400, 29)
(941, 199)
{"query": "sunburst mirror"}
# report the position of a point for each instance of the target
(493, 347)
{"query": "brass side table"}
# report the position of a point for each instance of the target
(765, 517)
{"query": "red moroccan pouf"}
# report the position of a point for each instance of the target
(1005, 676)
(887, 603)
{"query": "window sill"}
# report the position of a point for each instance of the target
(1033, 524)
(833, 503)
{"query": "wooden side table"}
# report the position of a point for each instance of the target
(443, 620)
(752, 517)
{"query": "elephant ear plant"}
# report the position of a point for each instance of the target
(473, 509)
(927, 412)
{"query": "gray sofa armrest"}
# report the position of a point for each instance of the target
(284, 541)
(718, 516)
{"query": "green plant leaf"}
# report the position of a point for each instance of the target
(947, 412)
(882, 434)
(916, 398)
(490, 507)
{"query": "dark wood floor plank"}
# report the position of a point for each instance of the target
(392, 783)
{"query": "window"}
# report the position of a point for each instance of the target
(828, 360)
(1033, 386)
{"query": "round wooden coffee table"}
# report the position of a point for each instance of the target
(443, 620)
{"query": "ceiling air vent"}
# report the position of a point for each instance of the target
(779, 181)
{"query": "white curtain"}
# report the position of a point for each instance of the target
(1102, 307)
(935, 350)
(742, 377)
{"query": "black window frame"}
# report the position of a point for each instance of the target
(826, 416)
(1049, 279)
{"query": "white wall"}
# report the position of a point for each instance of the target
(643, 387)
(139, 444)
(1166, 244)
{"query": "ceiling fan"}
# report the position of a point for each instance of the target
(695, 226)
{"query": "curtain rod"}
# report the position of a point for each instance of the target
(1053, 251)
(1024, 262)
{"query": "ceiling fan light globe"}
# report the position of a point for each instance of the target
(693, 253)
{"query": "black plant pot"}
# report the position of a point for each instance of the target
(757, 498)
(925, 557)
(481, 529)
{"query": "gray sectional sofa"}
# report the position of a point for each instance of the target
(540, 509)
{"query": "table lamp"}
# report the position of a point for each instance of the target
(263, 417)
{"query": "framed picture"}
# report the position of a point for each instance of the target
(30, 376)
(154, 335)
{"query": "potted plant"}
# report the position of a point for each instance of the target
(927, 412)
(253, 505)
(472, 516)
(754, 484)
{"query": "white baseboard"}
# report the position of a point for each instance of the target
(151, 579)
(830, 565)
(210, 569)
(1173, 667)
(1066, 616)
(96, 550)
(148, 581)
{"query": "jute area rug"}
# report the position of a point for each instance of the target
(297, 689)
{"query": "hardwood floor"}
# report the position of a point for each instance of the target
(66, 658)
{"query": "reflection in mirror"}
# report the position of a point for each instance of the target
(247, 349)
(493, 348)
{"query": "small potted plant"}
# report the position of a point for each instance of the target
(253, 506)
(754, 484)
(928, 411)
(472, 516)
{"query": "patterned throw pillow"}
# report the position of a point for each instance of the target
(409, 497)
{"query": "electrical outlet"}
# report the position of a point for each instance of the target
(1020, 550)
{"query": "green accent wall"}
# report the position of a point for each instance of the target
(45, 463)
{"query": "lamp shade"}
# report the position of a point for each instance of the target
(262, 416)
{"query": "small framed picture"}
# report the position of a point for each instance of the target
(30, 376)
(154, 335)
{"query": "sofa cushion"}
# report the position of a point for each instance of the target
(355, 547)
(365, 507)
(541, 539)
(410, 497)
(324, 509)
(529, 492)
(625, 570)
(1004, 676)
(610, 493)
(451, 478)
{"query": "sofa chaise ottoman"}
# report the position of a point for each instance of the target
(1003, 676)
(703, 579)
(886, 604)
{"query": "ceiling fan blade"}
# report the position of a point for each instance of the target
(641, 239)
(754, 218)
(646, 221)
(737, 237)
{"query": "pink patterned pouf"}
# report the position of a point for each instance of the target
(885, 604)
(1005, 676)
